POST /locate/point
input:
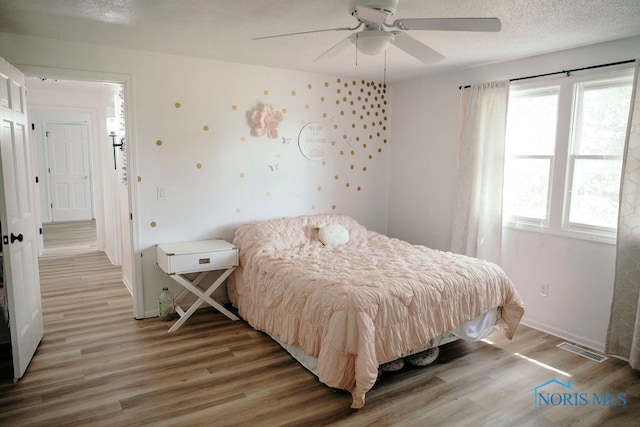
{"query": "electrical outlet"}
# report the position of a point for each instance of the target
(544, 289)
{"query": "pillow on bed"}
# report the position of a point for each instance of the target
(333, 235)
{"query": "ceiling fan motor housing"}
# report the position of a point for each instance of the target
(388, 6)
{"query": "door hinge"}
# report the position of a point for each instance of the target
(40, 230)
(46, 133)
(37, 180)
(131, 216)
(51, 205)
(33, 126)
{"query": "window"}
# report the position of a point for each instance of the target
(563, 154)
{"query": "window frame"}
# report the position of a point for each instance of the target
(562, 165)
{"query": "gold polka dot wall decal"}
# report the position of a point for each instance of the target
(364, 146)
(241, 174)
(352, 167)
(342, 112)
(333, 207)
(309, 86)
(139, 178)
(319, 188)
(353, 125)
(347, 185)
(359, 188)
(243, 139)
(158, 142)
(335, 126)
(284, 111)
(337, 102)
(238, 210)
(342, 152)
(324, 115)
(322, 99)
(153, 224)
(266, 92)
(306, 106)
(379, 150)
(370, 157)
(344, 99)
(350, 93)
(268, 193)
(199, 165)
(313, 207)
(293, 93)
(333, 143)
(336, 177)
(234, 107)
(338, 90)
(364, 169)
(324, 163)
(326, 84)
(338, 80)
(353, 153)
(177, 105)
(205, 128)
(357, 138)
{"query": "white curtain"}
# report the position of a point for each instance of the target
(477, 220)
(623, 335)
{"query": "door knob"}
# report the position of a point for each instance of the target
(18, 237)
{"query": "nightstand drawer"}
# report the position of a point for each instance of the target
(191, 257)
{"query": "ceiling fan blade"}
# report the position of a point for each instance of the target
(335, 50)
(309, 32)
(416, 48)
(449, 24)
(371, 15)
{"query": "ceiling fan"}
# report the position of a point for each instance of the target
(377, 33)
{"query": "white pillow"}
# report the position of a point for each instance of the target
(333, 235)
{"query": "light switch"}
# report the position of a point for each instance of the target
(162, 192)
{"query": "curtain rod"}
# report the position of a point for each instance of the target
(567, 72)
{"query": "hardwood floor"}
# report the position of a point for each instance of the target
(99, 366)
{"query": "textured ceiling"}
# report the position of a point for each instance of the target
(222, 29)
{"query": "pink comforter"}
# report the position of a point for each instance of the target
(361, 304)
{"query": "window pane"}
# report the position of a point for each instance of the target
(526, 188)
(602, 120)
(594, 196)
(531, 124)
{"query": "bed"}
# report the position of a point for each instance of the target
(350, 299)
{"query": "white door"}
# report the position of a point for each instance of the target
(69, 171)
(18, 221)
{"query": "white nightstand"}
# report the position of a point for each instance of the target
(178, 259)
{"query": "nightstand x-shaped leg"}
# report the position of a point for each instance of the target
(203, 296)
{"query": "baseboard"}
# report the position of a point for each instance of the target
(593, 345)
(127, 285)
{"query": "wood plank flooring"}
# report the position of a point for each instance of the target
(98, 366)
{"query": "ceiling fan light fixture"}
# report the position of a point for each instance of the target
(372, 42)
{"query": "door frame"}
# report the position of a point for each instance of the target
(127, 81)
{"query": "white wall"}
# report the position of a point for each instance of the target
(425, 132)
(192, 135)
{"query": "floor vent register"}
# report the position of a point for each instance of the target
(582, 352)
